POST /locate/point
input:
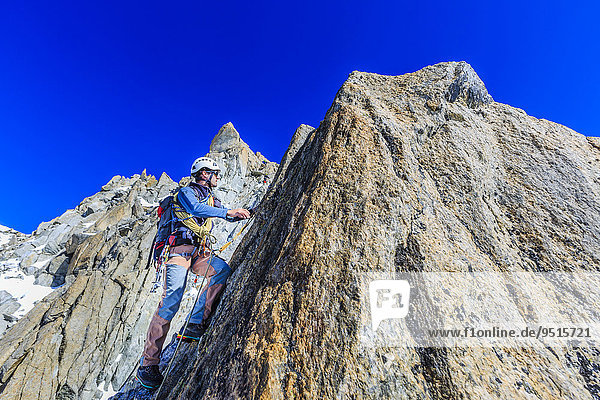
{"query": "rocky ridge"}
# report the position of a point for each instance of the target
(84, 338)
(419, 172)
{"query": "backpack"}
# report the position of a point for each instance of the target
(165, 226)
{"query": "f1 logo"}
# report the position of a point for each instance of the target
(389, 299)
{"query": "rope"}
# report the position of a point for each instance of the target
(226, 245)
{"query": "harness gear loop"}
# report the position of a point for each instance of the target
(162, 263)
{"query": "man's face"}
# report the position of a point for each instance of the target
(213, 176)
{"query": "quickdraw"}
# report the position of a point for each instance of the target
(161, 265)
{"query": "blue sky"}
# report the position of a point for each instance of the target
(93, 90)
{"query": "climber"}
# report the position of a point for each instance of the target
(189, 251)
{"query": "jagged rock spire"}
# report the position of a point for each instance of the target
(467, 86)
(227, 138)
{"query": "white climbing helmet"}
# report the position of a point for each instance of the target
(204, 163)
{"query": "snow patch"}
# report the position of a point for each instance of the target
(41, 264)
(21, 287)
(4, 238)
(5, 234)
(9, 264)
(145, 203)
(124, 189)
(40, 247)
(108, 393)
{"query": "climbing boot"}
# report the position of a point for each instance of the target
(192, 333)
(150, 377)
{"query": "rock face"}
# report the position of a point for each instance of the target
(420, 172)
(298, 140)
(9, 236)
(83, 340)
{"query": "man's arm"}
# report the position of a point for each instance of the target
(190, 203)
(188, 200)
(237, 214)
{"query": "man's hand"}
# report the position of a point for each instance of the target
(238, 213)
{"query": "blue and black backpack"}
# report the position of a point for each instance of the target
(165, 226)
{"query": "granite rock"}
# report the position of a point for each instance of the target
(419, 172)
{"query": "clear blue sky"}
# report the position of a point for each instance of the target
(89, 90)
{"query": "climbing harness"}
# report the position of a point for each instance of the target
(165, 254)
